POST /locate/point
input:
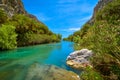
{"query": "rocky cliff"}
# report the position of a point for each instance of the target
(12, 7)
(99, 6)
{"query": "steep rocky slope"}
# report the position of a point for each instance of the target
(12, 7)
(99, 6)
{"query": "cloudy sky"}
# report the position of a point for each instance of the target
(61, 16)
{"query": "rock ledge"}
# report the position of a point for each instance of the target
(79, 59)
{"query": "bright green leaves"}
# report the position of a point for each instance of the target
(7, 37)
(90, 74)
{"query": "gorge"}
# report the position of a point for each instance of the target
(29, 50)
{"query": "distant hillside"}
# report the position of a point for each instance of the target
(102, 35)
(19, 28)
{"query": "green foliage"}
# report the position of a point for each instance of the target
(7, 37)
(116, 69)
(103, 37)
(28, 30)
(78, 35)
(59, 36)
(32, 32)
(106, 37)
(83, 31)
(110, 13)
(107, 65)
(70, 38)
(3, 17)
(90, 74)
(32, 39)
(25, 24)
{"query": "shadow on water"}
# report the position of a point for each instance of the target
(14, 63)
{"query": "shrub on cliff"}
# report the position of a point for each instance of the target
(7, 37)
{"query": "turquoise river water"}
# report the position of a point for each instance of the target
(15, 62)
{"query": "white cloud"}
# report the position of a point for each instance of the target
(74, 29)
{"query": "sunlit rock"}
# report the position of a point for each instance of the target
(79, 59)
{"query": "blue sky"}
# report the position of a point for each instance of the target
(61, 16)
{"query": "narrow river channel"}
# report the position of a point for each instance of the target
(14, 63)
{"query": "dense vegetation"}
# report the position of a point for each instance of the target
(103, 37)
(21, 30)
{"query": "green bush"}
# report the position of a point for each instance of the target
(90, 74)
(7, 37)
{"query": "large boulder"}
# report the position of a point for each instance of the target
(79, 59)
(49, 72)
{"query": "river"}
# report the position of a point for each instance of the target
(15, 62)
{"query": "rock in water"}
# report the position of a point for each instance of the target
(79, 59)
(49, 72)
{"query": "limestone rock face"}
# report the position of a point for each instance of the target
(12, 7)
(49, 72)
(79, 59)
